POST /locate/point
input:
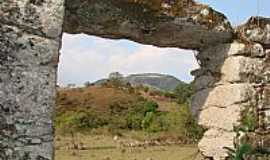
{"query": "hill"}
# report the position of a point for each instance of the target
(153, 80)
(119, 106)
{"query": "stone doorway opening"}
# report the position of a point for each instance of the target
(234, 65)
(156, 78)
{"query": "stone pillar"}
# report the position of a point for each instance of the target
(225, 86)
(30, 35)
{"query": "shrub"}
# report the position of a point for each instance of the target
(80, 121)
(139, 113)
(150, 106)
(239, 152)
(170, 95)
(156, 122)
(183, 123)
(117, 108)
(134, 121)
(87, 84)
(249, 119)
(145, 89)
(183, 92)
(117, 122)
(147, 120)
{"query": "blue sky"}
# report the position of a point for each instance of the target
(88, 58)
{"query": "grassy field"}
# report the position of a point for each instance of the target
(101, 147)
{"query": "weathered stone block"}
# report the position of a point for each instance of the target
(257, 29)
(221, 118)
(42, 17)
(27, 92)
(241, 69)
(214, 141)
(205, 81)
(222, 96)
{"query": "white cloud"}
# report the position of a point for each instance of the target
(86, 58)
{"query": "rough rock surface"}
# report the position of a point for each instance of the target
(234, 73)
(257, 29)
(233, 77)
(30, 33)
(193, 26)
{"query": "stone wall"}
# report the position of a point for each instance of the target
(30, 35)
(233, 81)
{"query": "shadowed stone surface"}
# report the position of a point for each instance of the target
(193, 26)
(30, 34)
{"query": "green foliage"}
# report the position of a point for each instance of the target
(156, 122)
(183, 92)
(150, 106)
(143, 115)
(134, 121)
(148, 119)
(245, 151)
(80, 120)
(139, 114)
(182, 122)
(145, 89)
(249, 121)
(240, 152)
(244, 146)
(170, 95)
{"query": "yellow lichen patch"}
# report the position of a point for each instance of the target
(174, 7)
(153, 4)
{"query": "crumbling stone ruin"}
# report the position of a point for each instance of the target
(232, 82)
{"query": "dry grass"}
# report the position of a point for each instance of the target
(101, 147)
(99, 98)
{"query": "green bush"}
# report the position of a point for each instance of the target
(184, 92)
(239, 152)
(139, 113)
(170, 95)
(150, 106)
(134, 121)
(117, 122)
(249, 120)
(157, 122)
(80, 120)
(147, 120)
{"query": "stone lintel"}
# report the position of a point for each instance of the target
(190, 26)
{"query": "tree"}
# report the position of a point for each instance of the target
(183, 92)
(87, 84)
(115, 75)
(71, 85)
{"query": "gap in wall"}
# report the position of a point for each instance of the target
(116, 99)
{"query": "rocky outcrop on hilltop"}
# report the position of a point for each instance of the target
(153, 80)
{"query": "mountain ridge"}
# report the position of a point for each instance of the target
(159, 81)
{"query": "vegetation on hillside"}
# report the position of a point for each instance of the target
(118, 106)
